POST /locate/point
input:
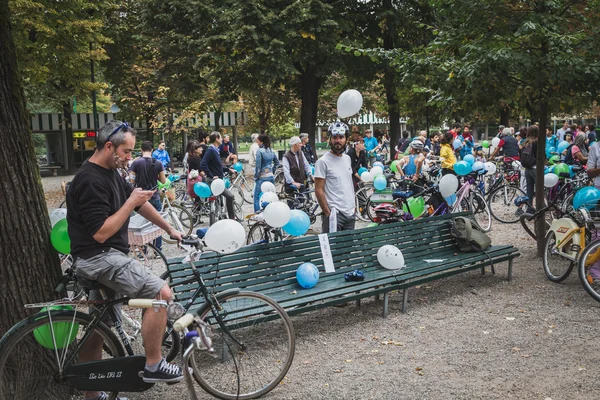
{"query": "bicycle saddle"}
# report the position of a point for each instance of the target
(402, 194)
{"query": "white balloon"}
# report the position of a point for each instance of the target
(448, 185)
(268, 187)
(217, 187)
(366, 176)
(376, 171)
(550, 180)
(57, 215)
(390, 257)
(277, 214)
(495, 142)
(225, 236)
(490, 167)
(268, 197)
(349, 103)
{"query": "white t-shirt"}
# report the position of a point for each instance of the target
(339, 188)
(253, 150)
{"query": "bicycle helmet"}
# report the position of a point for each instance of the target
(417, 145)
(554, 160)
(337, 128)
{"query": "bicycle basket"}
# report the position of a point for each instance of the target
(141, 231)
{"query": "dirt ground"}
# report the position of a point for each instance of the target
(464, 337)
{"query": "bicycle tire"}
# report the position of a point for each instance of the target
(370, 210)
(501, 203)
(258, 234)
(481, 211)
(553, 262)
(360, 199)
(586, 262)
(268, 358)
(247, 187)
(174, 217)
(29, 371)
(238, 195)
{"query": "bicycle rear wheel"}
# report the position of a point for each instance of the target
(481, 211)
(30, 370)
(556, 267)
(181, 219)
(589, 269)
(361, 197)
(267, 335)
(501, 203)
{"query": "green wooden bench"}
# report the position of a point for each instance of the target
(270, 268)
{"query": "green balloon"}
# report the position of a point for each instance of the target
(394, 166)
(561, 168)
(417, 206)
(64, 332)
(60, 237)
(485, 144)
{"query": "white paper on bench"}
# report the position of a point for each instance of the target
(332, 220)
(326, 252)
(435, 260)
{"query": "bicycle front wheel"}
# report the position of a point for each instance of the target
(31, 368)
(266, 353)
(556, 267)
(501, 203)
(481, 211)
(361, 197)
(589, 269)
(181, 219)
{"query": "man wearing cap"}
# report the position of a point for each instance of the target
(295, 166)
(253, 149)
(307, 149)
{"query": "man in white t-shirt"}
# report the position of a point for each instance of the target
(253, 150)
(333, 182)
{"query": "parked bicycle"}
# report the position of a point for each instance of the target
(251, 349)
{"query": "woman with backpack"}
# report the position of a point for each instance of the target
(528, 160)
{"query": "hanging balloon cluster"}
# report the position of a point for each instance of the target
(59, 236)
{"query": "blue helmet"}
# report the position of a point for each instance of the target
(338, 128)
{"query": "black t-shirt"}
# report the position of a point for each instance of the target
(95, 194)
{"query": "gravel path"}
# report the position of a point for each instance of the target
(464, 337)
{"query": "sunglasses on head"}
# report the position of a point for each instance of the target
(124, 125)
(338, 132)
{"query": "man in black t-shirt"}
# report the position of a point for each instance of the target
(100, 202)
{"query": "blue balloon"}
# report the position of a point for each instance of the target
(380, 182)
(548, 170)
(227, 183)
(173, 178)
(456, 144)
(298, 224)
(550, 151)
(307, 275)
(586, 197)
(469, 158)
(462, 168)
(202, 190)
(477, 166)
(378, 164)
(312, 170)
(451, 199)
(562, 146)
(238, 166)
(361, 170)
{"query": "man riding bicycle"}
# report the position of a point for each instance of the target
(411, 164)
(100, 203)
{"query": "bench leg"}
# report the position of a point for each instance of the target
(404, 300)
(510, 269)
(224, 349)
(54, 173)
(483, 270)
(358, 303)
(386, 297)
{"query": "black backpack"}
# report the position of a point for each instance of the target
(147, 177)
(528, 159)
(569, 160)
(469, 236)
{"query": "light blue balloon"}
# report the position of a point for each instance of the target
(173, 178)
(380, 182)
(238, 166)
(378, 164)
(469, 158)
(548, 170)
(361, 170)
(586, 197)
(451, 199)
(227, 183)
(312, 170)
(550, 151)
(477, 166)
(456, 144)
(307, 275)
(202, 190)
(462, 168)
(562, 146)
(298, 224)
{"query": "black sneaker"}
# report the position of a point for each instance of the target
(166, 372)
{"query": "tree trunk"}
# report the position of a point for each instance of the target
(30, 267)
(310, 85)
(540, 226)
(388, 82)
(504, 115)
(70, 152)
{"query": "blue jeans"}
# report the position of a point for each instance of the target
(156, 204)
(259, 182)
